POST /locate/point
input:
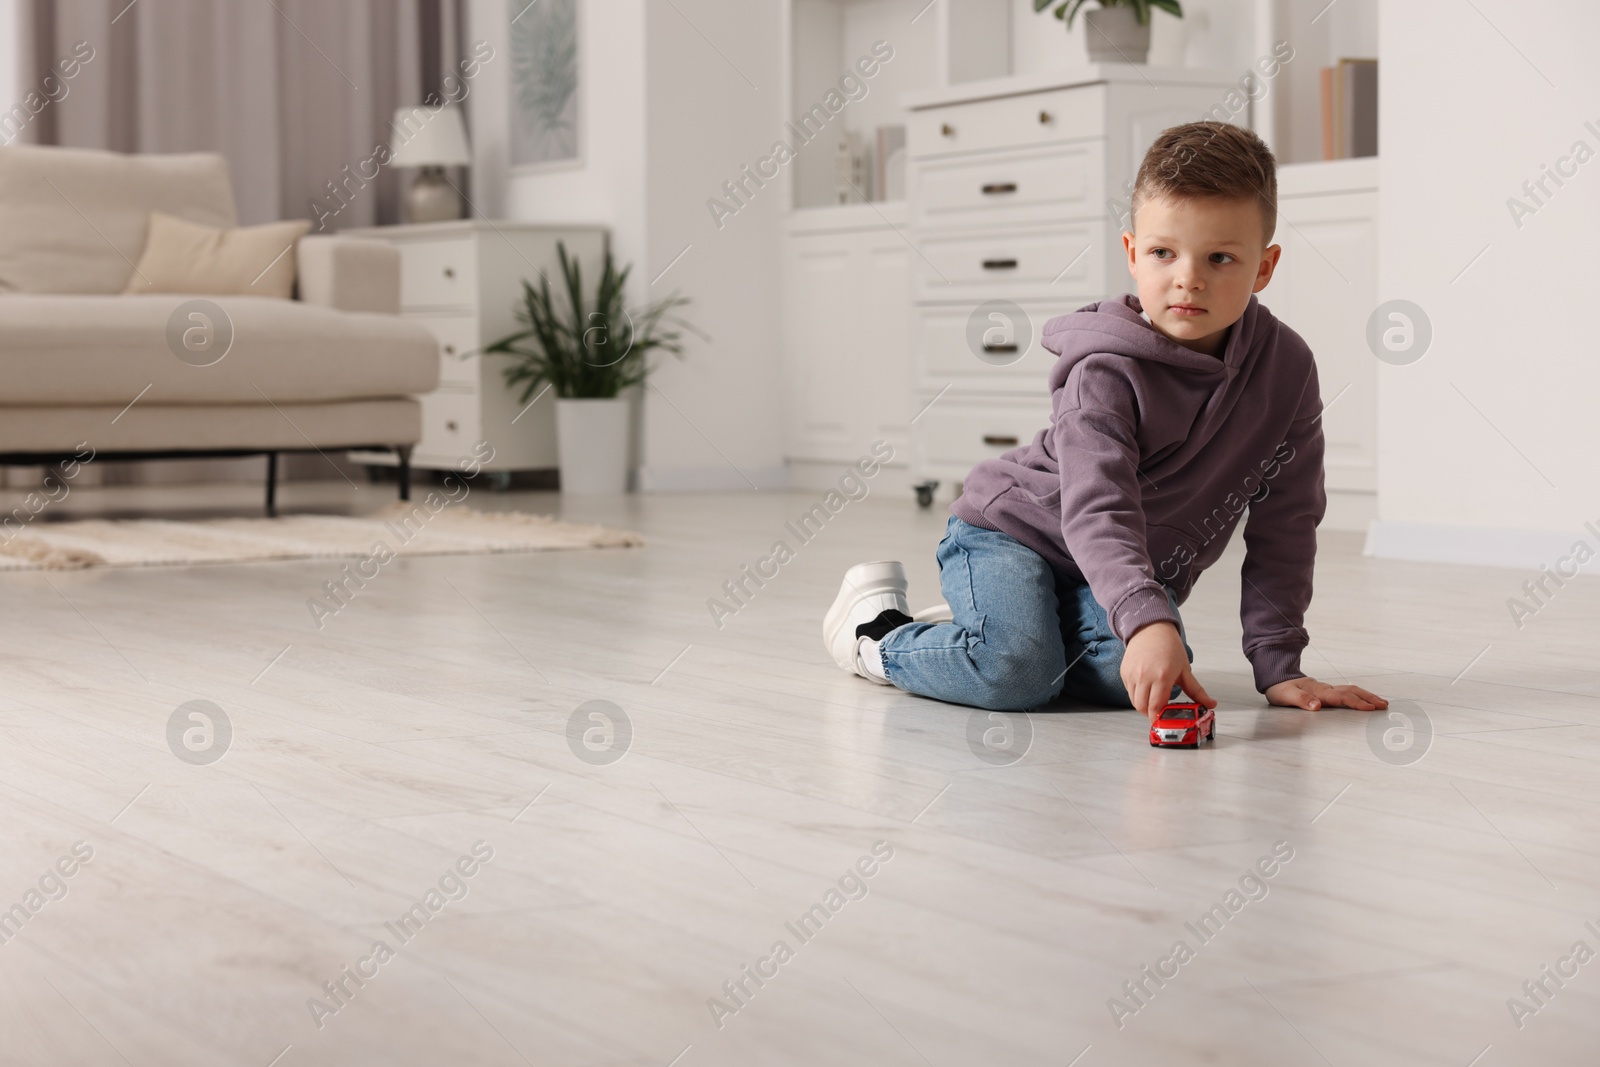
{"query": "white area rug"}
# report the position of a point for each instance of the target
(403, 529)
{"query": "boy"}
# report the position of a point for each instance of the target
(1064, 561)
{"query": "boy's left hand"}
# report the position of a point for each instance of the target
(1310, 694)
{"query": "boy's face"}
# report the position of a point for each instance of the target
(1195, 263)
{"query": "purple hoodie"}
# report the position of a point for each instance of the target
(1153, 453)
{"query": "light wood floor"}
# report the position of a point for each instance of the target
(432, 713)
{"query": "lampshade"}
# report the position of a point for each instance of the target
(429, 137)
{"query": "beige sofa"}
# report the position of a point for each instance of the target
(82, 364)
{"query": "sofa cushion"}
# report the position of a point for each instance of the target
(185, 257)
(73, 220)
(175, 427)
(79, 350)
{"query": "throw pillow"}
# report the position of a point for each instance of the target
(183, 257)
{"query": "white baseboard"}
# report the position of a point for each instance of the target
(711, 479)
(1484, 546)
(1350, 509)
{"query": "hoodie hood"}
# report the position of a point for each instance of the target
(1118, 326)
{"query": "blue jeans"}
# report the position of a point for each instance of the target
(1022, 633)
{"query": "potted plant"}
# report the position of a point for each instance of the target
(588, 352)
(1119, 31)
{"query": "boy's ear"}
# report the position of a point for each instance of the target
(1269, 264)
(1127, 245)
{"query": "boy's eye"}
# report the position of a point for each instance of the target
(1221, 257)
(1161, 253)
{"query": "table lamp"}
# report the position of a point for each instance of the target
(430, 138)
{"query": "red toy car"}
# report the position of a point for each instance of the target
(1183, 726)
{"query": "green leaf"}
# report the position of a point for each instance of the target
(584, 349)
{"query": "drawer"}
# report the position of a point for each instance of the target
(1046, 262)
(954, 434)
(440, 273)
(458, 346)
(450, 424)
(953, 348)
(1056, 183)
(1008, 122)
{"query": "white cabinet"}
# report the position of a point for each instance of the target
(846, 332)
(1017, 192)
(1017, 189)
(463, 280)
(1325, 287)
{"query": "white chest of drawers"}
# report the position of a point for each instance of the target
(463, 280)
(1017, 190)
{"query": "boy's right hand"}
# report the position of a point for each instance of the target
(1153, 663)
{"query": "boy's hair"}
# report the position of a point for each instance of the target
(1209, 160)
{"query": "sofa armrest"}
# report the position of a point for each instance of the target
(349, 273)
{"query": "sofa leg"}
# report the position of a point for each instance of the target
(404, 471)
(272, 485)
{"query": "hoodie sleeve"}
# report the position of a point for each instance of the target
(1102, 509)
(1280, 538)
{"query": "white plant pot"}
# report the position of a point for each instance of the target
(1113, 35)
(592, 436)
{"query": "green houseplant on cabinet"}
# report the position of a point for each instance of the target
(1118, 31)
(588, 351)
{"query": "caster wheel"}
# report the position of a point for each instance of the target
(499, 481)
(925, 493)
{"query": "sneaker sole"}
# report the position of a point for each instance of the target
(880, 585)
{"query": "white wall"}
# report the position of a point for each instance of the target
(10, 53)
(1488, 443)
(609, 185)
(667, 116)
(712, 107)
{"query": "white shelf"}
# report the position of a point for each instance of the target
(1328, 176)
(939, 44)
(831, 218)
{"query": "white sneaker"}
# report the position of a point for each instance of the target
(868, 590)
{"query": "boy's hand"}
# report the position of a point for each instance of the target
(1154, 662)
(1310, 694)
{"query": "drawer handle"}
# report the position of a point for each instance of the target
(999, 264)
(449, 272)
(995, 188)
(1000, 348)
(1045, 118)
(947, 129)
(1000, 439)
(451, 425)
(449, 350)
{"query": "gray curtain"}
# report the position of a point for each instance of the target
(290, 91)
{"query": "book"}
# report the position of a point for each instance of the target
(1349, 93)
(851, 173)
(1360, 107)
(1330, 139)
(888, 155)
